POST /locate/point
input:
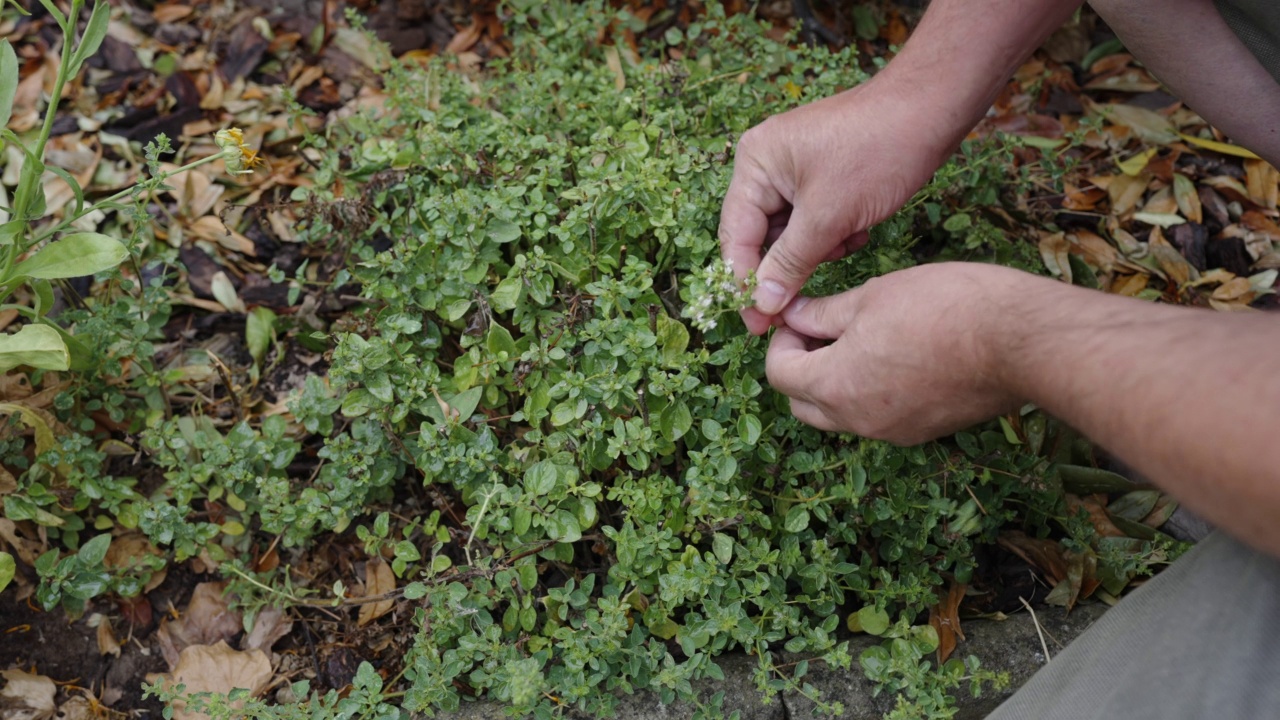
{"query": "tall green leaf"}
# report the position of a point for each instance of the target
(35, 345)
(7, 570)
(8, 81)
(94, 34)
(73, 256)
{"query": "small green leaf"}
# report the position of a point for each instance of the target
(675, 421)
(259, 332)
(8, 81)
(869, 620)
(465, 403)
(415, 591)
(440, 563)
(722, 546)
(540, 478)
(499, 340)
(504, 231)
(797, 519)
(673, 337)
(39, 346)
(94, 34)
(507, 295)
(7, 570)
(73, 256)
(957, 223)
(93, 552)
(749, 429)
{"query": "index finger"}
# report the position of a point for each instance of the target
(744, 216)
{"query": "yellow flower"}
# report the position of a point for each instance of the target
(240, 158)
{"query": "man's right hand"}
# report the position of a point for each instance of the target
(808, 184)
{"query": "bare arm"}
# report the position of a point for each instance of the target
(813, 180)
(1188, 397)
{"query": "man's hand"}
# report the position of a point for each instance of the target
(915, 353)
(812, 181)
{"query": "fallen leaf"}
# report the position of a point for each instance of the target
(1238, 290)
(1130, 285)
(208, 619)
(1169, 259)
(1186, 198)
(1164, 220)
(1055, 252)
(268, 626)
(107, 643)
(1134, 166)
(945, 619)
(215, 669)
(26, 696)
(1220, 147)
(379, 580)
(1097, 515)
(1097, 252)
(1148, 125)
(1125, 192)
(1262, 182)
(1043, 554)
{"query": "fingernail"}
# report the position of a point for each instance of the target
(770, 297)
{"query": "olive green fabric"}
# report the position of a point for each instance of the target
(1257, 24)
(1197, 641)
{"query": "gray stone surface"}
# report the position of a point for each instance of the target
(1010, 645)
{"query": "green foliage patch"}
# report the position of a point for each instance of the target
(541, 345)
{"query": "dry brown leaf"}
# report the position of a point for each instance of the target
(127, 550)
(170, 12)
(216, 669)
(268, 626)
(26, 696)
(1097, 252)
(1130, 80)
(26, 549)
(1125, 192)
(1259, 223)
(208, 619)
(465, 39)
(1229, 187)
(1130, 285)
(1187, 199)
(1161, 202)
(1055, 252)
(1043, 554)
(945, 619)
(1236, 290)
(1262, 182)
(1170, 260)
(107, 643)
(379, 580)
(1098, 516)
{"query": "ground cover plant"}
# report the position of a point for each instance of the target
(534, 449)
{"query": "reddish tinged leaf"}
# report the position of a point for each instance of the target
(1044, 555)
(945, 619)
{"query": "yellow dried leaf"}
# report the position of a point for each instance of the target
(1161, 202)
(1187, 199)
(1169, 259)
(1125, 192)
(216, 669)
(1219, 147)
(1055, 251)
(1235, 290)
(1136, 164)
(1148, 125)
(1130, 285)
(1263, 183)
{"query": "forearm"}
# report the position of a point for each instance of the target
(961, 55)
(1189, 398)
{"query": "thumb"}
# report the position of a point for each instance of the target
(790, 262)
(823, 318)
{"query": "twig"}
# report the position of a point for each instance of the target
(1039, 632)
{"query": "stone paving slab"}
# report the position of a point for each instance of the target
(1011, 645)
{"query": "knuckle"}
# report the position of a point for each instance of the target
(787, 262)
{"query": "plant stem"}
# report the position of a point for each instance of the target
(125, 193)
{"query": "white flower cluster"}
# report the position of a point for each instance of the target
(715, 291)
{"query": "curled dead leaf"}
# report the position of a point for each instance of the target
(208, 619)
(215, 669)
(26, 696)
(379, 580)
